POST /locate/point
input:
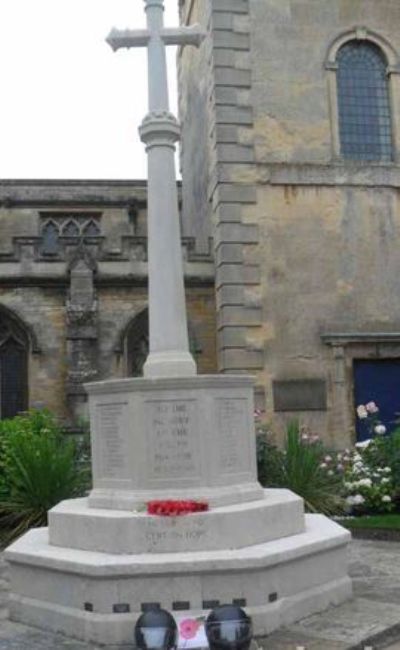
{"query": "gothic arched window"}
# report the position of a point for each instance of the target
(50, 242)
(365, 125)
(137, 343)
(91, 229)
(71, 229)
(13, 368)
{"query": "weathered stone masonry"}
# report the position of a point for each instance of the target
(226, 118)
(79, 292)
(306, 242)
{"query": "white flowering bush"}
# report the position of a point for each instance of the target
(367, 475)
(364, 479)
(367, 488)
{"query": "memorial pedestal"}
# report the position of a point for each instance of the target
(103, 558)
(173, 438)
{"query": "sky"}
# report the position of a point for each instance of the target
(70, 106)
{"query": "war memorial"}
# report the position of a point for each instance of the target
(173, 435)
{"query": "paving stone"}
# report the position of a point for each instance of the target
(351, 623)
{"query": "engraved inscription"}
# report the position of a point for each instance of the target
(233, 447)
(157, 533)
(172, 439)
(114, 448)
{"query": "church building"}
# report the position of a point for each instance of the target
(73, 292)
(297, 104)
(290, 114)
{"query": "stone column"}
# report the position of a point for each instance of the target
(169, 342)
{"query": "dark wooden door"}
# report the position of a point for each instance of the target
(379, 382)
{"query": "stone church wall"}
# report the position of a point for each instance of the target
(306, 243)
(76, 294)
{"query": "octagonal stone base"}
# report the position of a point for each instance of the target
(103, 558)
(82, 593)
(73, 524)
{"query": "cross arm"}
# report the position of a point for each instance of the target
(191, 35)
(118, 38)
(187, 35)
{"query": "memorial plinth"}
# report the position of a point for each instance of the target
(103, 558)
(192, 434)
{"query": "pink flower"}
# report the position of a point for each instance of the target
(371, 407)
(362, 412)
(188, 628)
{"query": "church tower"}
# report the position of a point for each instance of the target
(290, 160)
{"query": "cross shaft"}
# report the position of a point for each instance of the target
(169, 343)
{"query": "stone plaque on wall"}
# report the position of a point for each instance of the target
(232, 453)
(172, 449)
(114, 453)
(299, 395)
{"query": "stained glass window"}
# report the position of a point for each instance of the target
(363, 100)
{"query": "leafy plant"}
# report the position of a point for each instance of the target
(300, 468)
(38, 469)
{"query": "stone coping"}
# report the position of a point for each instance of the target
(73, 524)
(321, 534)
(168, 383)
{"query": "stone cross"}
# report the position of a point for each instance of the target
(169, 342)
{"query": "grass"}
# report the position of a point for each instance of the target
(387, 521)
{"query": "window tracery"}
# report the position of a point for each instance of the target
(58, 226)
(365, 128)
(363, 76)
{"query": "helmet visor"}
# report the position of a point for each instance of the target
(156, 638)
(229, 633)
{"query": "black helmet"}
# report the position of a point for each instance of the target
(156, 630)
(228, 627)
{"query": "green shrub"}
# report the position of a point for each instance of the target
(38, 469)
(300, 468)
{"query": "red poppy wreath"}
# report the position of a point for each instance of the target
(172, 508)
